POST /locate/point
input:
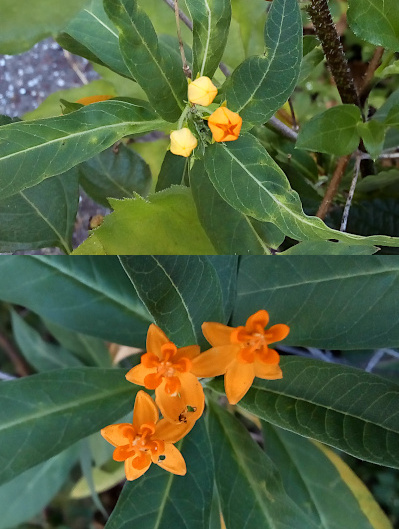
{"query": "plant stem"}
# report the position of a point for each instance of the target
(348, 204)
(373, 65)
(333, 186)
(20, 366)
(186, 68)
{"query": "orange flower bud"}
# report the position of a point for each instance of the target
(93, 99)
(225, 124)
(183, 142)
(202, 91)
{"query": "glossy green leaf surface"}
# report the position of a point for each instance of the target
(33, 151)
(375, 21)
(262, 84)
(39, 421)
(341, 406)
(226, 267)
(246, 176)
(180, 292)
(333, 131)
(161, 500)
(166, 223)
(42, 355)
(306, 298)
(211, 22)
(173, 171)
(162, 77)
(88, 295)
(20, 28)
(41, 216)
(30, 492)
(328, 248)
(115, 173)
(250, 488)
(321, 484)
(373, 135)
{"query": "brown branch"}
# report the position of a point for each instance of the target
(186, 68)
(333, 186)
(21, 367)
(373, 65)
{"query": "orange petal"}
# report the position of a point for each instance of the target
(217, 333)
(259, 319)
(155, 340)
(152, 380)
(138, 373)
(118, 434)
(238, 380)
(174, 461)
(121, 453)
(267, 371)
(171, 432)
(215, 361)
(145, 410)
(134, 473)
(269, 357)
(190, 352)
(174, 408)
(276, 333)
(93, 99)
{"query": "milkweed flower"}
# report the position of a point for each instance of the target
(202, 91)
(165, 368)
(93, 99)
(225, 125)
(147, 440)
(241, 353)
(183, 142)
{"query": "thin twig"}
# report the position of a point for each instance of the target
(348, 204)
(293, 117)
(383, 156)
(283, 129)
(333, 186)
(373, 65)
(6, 376)
(182, 16)
(75, 67)
(20, 366)
(186, 68)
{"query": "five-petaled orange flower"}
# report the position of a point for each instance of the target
(93, 99)
(167, 369)
(241, 353)
(148, 440)
(225, 125)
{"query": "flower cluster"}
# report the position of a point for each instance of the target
(224, 124)
(239, 353)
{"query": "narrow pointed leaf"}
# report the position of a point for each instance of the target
(180, 292)
(161, 500)
(156, 70)
(248, 179)
(341, 406)
(211, 22)
(37, 420)
(249, 485)
(262, 84)
(33, 151)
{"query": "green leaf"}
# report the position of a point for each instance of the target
(341, 406)
(226, 267)
(173, 171)
(374, 21)
(90, 350)
(248, 179)
(211, 22)
(21, 28)
(91, 34)
(115, 173)
(249, 485)
(262, 84)
(42, 355)
(309, 469)
(91, 296)
(163, 500)
(37, 420)
(30, 492)
(162, 78)
(103, 480)
(373, 135)
(33, 151)
(321, 302)
(251, 18)
(41, 216)
(180, 293)
(165, 224)
(334, 131)
(385, 183)
(328, 248)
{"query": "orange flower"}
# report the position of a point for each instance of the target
(166, 369)
(182, 142)
(93, 99)
(241, 353)
(202, 91)
(225, 124)
(147, 440)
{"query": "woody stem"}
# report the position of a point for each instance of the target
(186, 68)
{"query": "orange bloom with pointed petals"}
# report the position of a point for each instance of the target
(147, 440)
(93, 99)
(241, 353)
(167, 369)
(225, 125)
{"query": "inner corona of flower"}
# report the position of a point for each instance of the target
(141, 446)
(166, 367)
(253, 345)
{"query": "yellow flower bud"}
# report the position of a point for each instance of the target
(202, 91)
(183, 142)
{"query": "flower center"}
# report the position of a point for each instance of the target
(253, 345)
(143, 446)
